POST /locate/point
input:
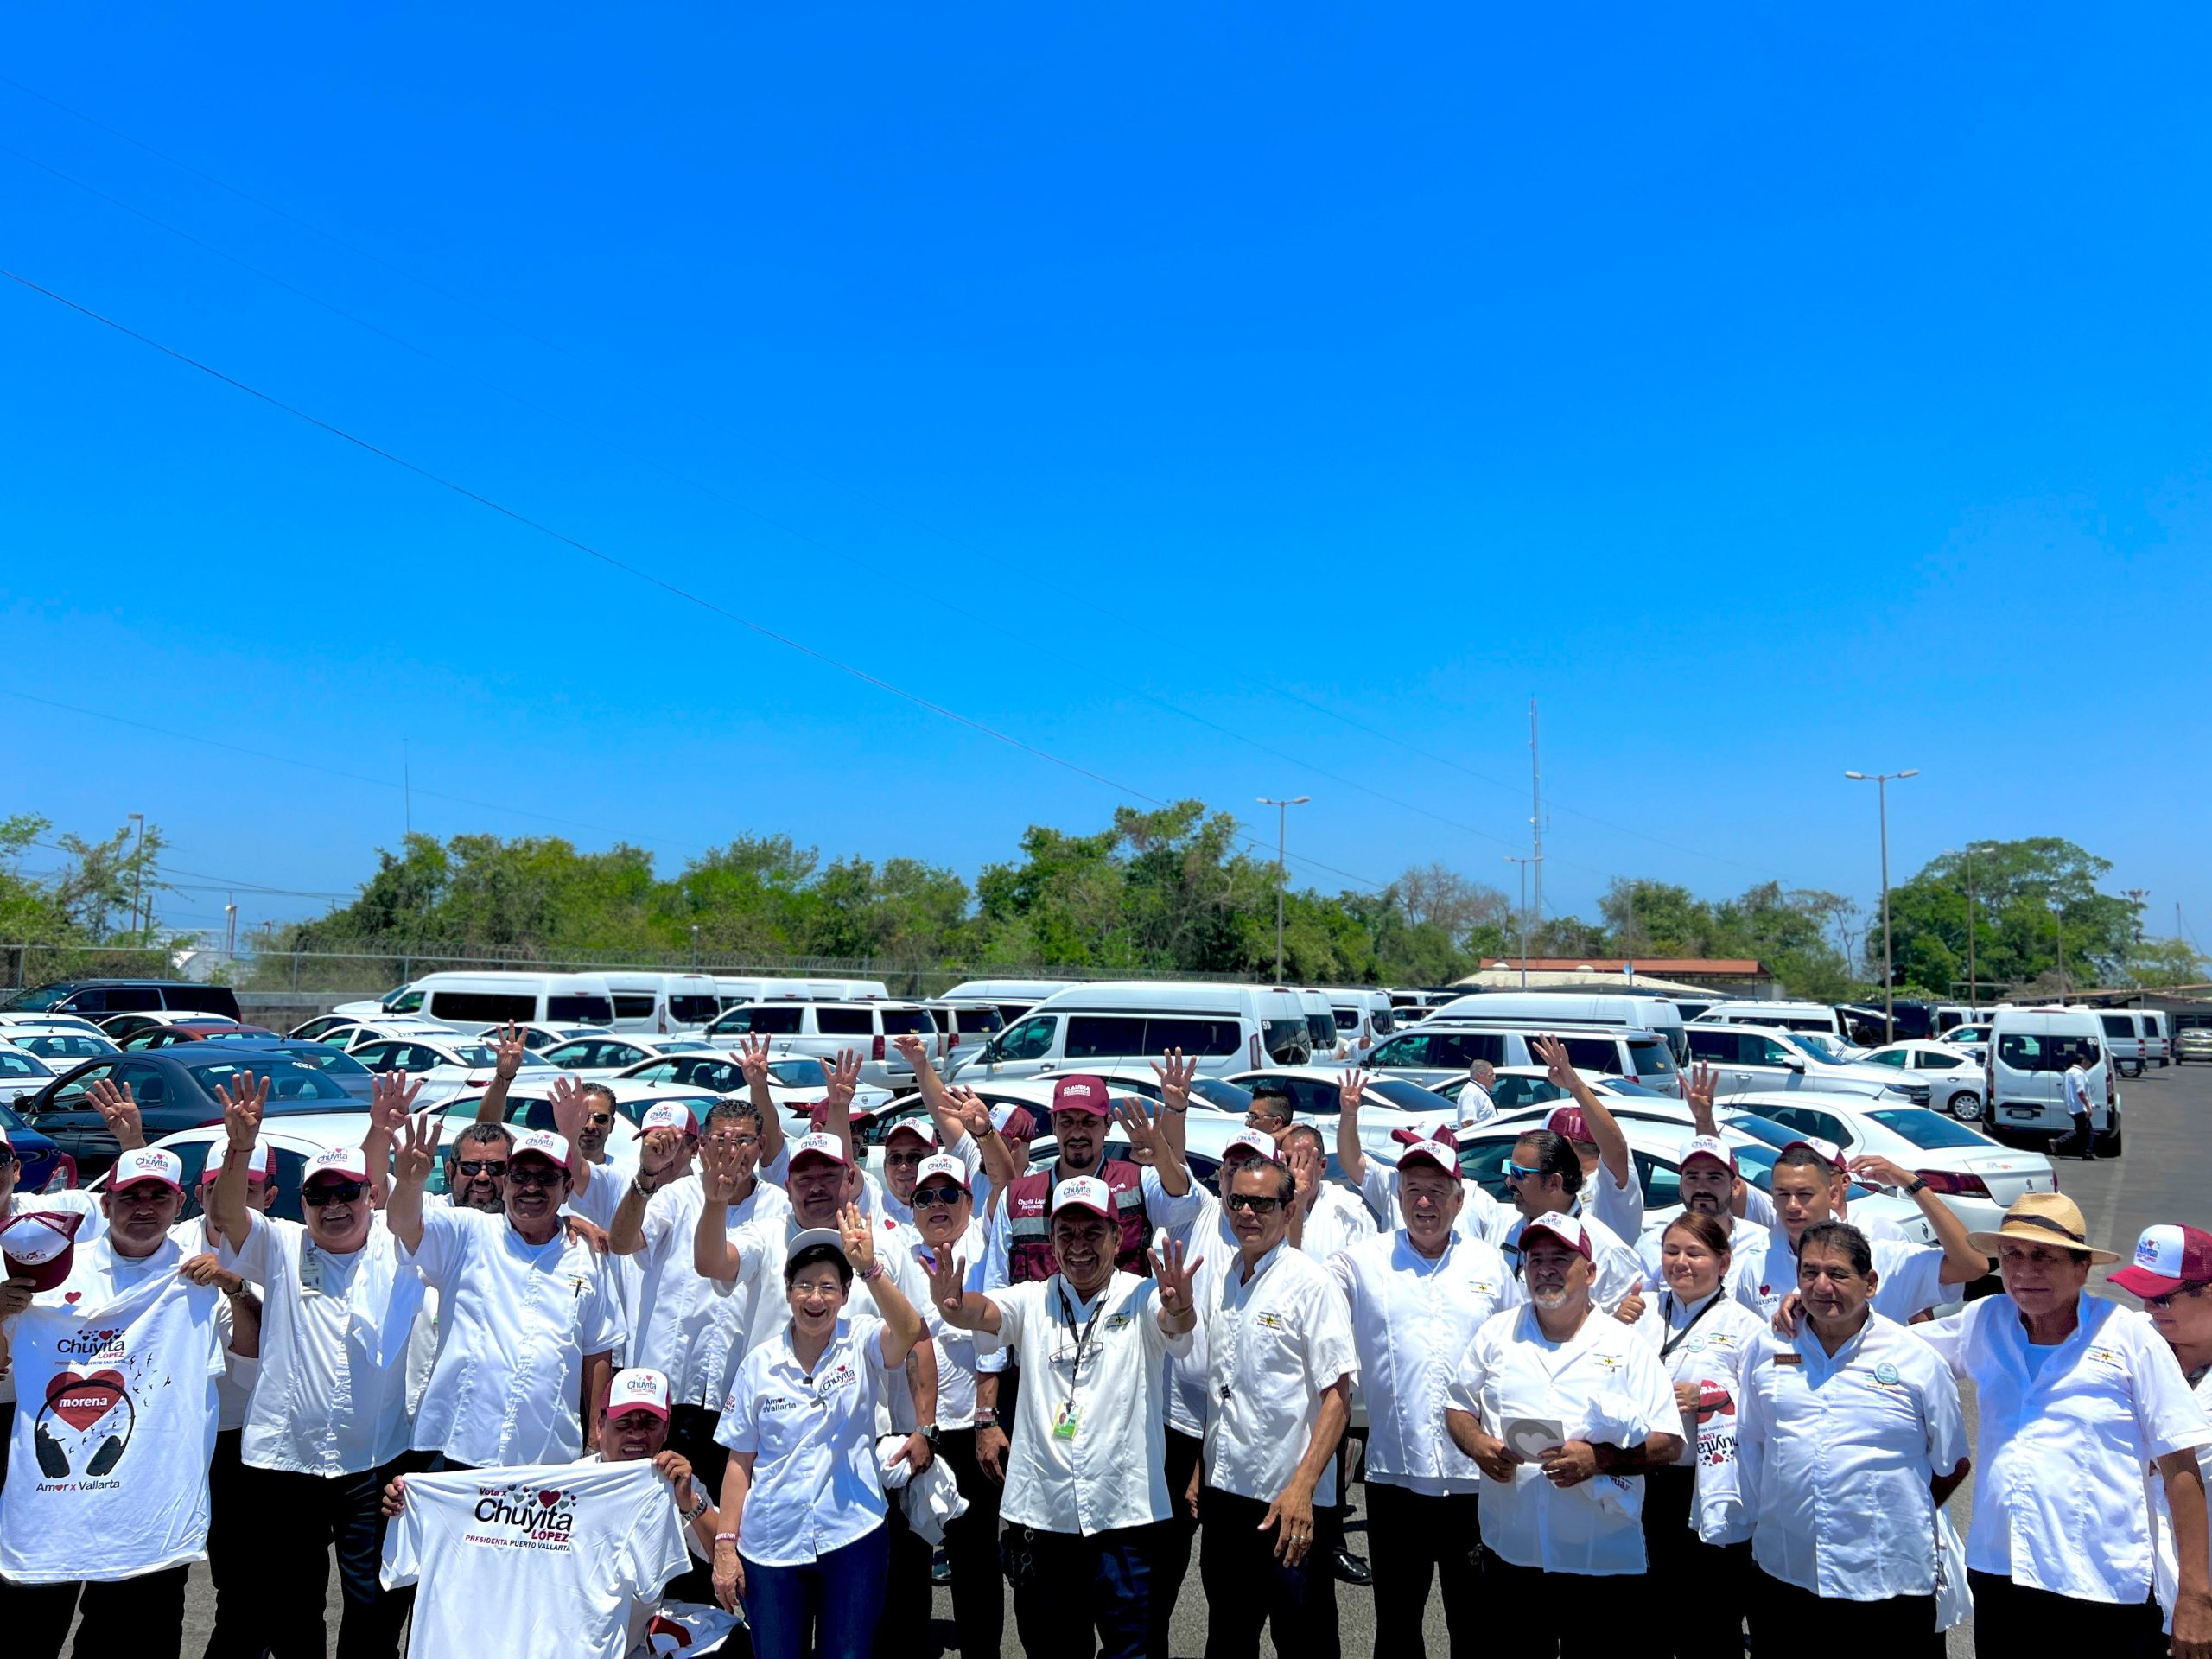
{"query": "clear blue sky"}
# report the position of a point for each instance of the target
(1769, 394)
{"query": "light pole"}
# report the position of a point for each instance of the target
(1282, 827)
(1524, 863)
(137, 870)
(1881, 781)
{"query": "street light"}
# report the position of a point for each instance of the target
(1881, 782)
(1524, 863)
(1283, 824)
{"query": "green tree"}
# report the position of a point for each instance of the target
(2026, 896)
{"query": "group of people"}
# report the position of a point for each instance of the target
(742, 1392)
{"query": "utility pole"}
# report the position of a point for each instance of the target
(406, 790)
(1282, 824)
(1973, 991)
(1524, 863)
(231, 928)
(137, 870)
(1881, 780)
(1536, 824)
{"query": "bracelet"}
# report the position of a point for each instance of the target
(873, 1272)
(1173, 1107)
(725, 1537)
(695, 1510)
(987, 1417)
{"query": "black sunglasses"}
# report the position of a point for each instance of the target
(2192, 1291)
(929, 1195)
(474, 1167)
(331, 1192)
(1258, 1206)
(539, 1176)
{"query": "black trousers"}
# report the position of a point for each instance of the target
(142, 1617)
(971, 1550)
(1076, 1597)
(231, 1550)
(902, 1629)
(1248, 1589)
(691, 1431)
(1172, 1557)
(2041, 1621)
(1413, 1539)
(1782, 1614)
(290, 1568)
(1533, 1614)
(1706, 1621)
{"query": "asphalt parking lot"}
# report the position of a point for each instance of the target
(2164, 1175)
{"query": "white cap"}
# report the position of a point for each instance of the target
(920, 1127)
(146, 1164)
(668, 1114)
(944, 1164)
(348, 1161)
(636, 1390)
(1084, 1192)
(554, 1148)
(826, 1146)
(1252, 1141)
(257, 1165)
(1707, 1146)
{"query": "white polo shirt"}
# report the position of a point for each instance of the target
(331, 1397)
(2161, 1518)
(1910, 1276)
(1480, 1215)
(1339, 1221)
(1705, 1343)
(1747, 1247)
(235, 1389)
(1273, 1343)
(894, 1249)
(515, 1321)
(1618, 1206)
(1099, 1362)
(2064, 1445)
(811, 1431)
(1476, 1105)
(1602, 1384)
(1211, 1246)
(1412, 1322)
(1835, 1455)
(1616, 1269)
(955, 1348)
(689, 1329)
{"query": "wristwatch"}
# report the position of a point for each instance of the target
(695, 1510)
(1919, 1185)
(928, 1432)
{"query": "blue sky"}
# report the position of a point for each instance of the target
(1194, 398)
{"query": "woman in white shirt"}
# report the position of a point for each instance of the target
(802, 1497)
(2077, 1397)
(1695, 1527)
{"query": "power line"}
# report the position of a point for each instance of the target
(627, 569)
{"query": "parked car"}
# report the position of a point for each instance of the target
(445, 1068)
(537, 1036)
(794, 1080)
(62, 1048)
(1953, 1075)
(122, 1025)
(344, 1069)
(346, 1038)
(45, 1167)
(1437, 1052)
(13, 1018)
(175, 1090)
(167, 1036)
(100, 996)
(2193, 1043)
(1122, 1025)
(1748, 1058)
(291, 1141)
(607, 1055)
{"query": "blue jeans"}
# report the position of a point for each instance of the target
(1066, 1587)
(839, 1595)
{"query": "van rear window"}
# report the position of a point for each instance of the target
(633, 1005)
(2037, 1052)
(582, 1010)
(1650, 1059)
(482, 1007)
(693, 1010)
(777, 1020)
(1441, 1048)
(844, 1022)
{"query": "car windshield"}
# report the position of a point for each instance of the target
(1824, 1046)
(1217, 1093)
(1622, 1086)
(24, 1065)
(1412, 1097)
(292, 1088)
(1925, 1128)
(1776, 1135)
(30, 1001)
(799, 1074)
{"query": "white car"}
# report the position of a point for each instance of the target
(1386, 1104)
(1748, 1058)
(1953, 1074)
(795, 1081)
(12, 1017)
(446, 1068)
(359, 1033)
(1972, 1039)
(62, 1048)
(291, 1140)
(20, 1068)
(539, 1038)
(607, 1055)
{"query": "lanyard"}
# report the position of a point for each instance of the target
(1667, 1348)
(1067, 1309)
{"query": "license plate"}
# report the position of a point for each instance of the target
(2022, 1111)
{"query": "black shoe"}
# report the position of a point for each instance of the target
(1352, 1569)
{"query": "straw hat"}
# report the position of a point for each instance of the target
(2045, 1219)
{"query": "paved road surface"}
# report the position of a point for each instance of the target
(2164, 1176)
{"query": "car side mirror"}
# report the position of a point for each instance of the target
(1794, 1064)
(22, 1102)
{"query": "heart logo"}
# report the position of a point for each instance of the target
(80, 1401)
(547, 1500)
(72, 1296)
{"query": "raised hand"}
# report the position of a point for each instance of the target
(974, 1115)
(948, 1281)
(1351, 1088)
(1304, 1169)
(660, 1151)
(752, 1058)
(1175, 1074)
(843, 1077)
(571, 1108)
(857, 1237)
(417, 1147)
(508, 1049)
(1703, 1081)
(718, 1171)
(241, 1109)
(392, 1096)
(118, 1109)
(912, 1050)
(1174, 1272)
(1877, 1171)
(1552, 1053)
(1142, 1131)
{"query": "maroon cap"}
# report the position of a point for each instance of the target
(818, 1114)
(1441, 1149)
(39, 1245)
(1017, 1124)
(1568, 1121)
(1562, 1227)
(1080, 1093)
(1834, 1160)
(2168, 1258)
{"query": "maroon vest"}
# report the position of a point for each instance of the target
(1029, 1222)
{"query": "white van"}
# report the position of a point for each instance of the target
(822, 1026)
(2158, 1042)
(732, 989)
(2023, 1078)
(960, 1024)
(1787, 1016)
(1013, 997)
(468, 1003)
(1320, 1026)
(2124, 1043)
(1653, 1014)
(661, 1003)
(1127, 1025)
(1360, 1010)
(1438, 1050)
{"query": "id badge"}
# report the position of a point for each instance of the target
(311, 1269)
(1065, 1421)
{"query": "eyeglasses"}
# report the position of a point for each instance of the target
(534, 1177)
(1521, 1172)
(2192, 1292)
(902, 1158)
(474, 1167)
(331, 1192)
(601, 1119)
(1255, 1116)
(929, 1195)
(1258, 1206)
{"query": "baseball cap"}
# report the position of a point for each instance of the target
(541, 1143)
(257, 1165)
(40, 1245)
(819, 1146)
(2167, 1258)
(1080, 1093)
(1562, 1227)
(1569, 1121)
(807, 1237)
(638, 1389)
(1707, 1146)
(146, 1164)
(920, 1127)
(1014, 1123)
(1833, 1160)
(668, 1114)
(946, 1165)
(818, 1114)
(1251, 1141)
(1084, 1192)
(1441, 1149)
(347, 1163)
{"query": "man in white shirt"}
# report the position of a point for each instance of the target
(1910, 1278)
(529, 1319)
(1480, 1215)
(106, 1500)
(1562, 1407)
(1280, 1363)
(326, 1425)
(1086, 1478)
(2074, 1083)
(1544, 1177)
(1849, 1438)
(1610, 1191)
(1710, 1185)
(2171, 1275)
(1476, 1106)
(1417, 1296)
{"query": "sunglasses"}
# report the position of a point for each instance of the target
(474, 1167)
(2191, 1292)
(7, 1156)
(601, 1119)
(331, 1192)
(1521, 1172)
(534, 1176)
(1258, 1206)
(944, 1195)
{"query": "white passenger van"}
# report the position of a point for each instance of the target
(2029, 1052)
(1653, 1014)
(1127, 1025)
(1012, 997)
(824, 1027)
(661, 1003)
(1436, 1052)
(2125, 1042)
(732, 989)
(1359, 1010)
(1788, 1016)
(1320, 1026)
(468, 1003)
(2158, 1042)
